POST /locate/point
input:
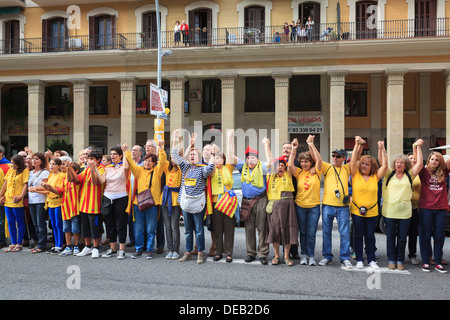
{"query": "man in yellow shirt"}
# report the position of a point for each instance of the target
(335, 204)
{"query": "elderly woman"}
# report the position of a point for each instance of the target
(397, 207)
(307, 199)
(433, 207)
(192, 196)
(148, 176)
(13, 192)
(282, 218)
(365, 176)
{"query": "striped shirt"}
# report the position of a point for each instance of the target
(90, 194)
(193, 176)
(70, 201)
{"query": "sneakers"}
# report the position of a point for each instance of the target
(186, 256)
(200, 259)
(426, 267)
(86, 251)
(110, 253)
(324, 262)
(374, 265)
(175, 256)
(94, 254)
(76, 250)
(360, 265)
(121, 255)
(400, 266)
(391, 266)
(67, 252)
(347, 264)
(149, 256)
(303, 260)
(312, 262)
(440, 268)
(169, 255)
(54, 250)
(136, 255)
(414, 261)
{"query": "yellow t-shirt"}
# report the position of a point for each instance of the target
(56, 181)
(276, 185)
(14, 187)
(365, 193)
(308, 188)
(173, 179)
(332, 183)
(228, 186)
(416, 192)
(397, 197)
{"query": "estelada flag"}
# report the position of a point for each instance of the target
(227, 203)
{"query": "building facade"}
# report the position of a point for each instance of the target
(78, 72)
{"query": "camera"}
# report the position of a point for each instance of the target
(337, 193)
(346, 200)
(363, 211)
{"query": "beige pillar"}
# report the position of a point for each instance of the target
(176, 115)
(337, 109)
(228, 105)
(36, 126)
(424, 108)
(128, 110)
(394, 110)
(447, 110)
(1, 86)
(281, 109)
(80, 115)
(375, 113)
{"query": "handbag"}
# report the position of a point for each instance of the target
(192, 204)
(145, 198)
(106, 206)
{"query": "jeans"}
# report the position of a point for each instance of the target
(2, 225)
(308, 218)
(145, 222)
(56, 220)
(38, 217)
(396, 233)
(194, 221)
(429, 220)
(172, 230)
(342, 215)
(13, 216)
(365, 232)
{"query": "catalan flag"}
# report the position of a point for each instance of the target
(227, 203)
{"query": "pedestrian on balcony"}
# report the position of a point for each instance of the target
(307, 199)
(285, 32)
(310, 29)
(301, 30)
(397, 207)
(364, 208)
(185, 31)
(177, 33)
(433, 207)
(293, 27)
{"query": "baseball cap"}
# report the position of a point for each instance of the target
(341, 152)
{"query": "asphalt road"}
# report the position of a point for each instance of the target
(27, 276)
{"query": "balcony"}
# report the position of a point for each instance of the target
(270, 35)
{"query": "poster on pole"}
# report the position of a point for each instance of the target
(158, 100)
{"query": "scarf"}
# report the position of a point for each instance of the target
(256, 178)
(276, 185)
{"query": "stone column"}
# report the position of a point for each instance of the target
(447, 109)
(36, 125)
(128, 110)
(394, 112)
(228, 105)
(425, 109)
(176, 115)
(375, 113)
(80, 115)
(337, 109)
(281, 110)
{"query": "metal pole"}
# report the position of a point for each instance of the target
(158, 30)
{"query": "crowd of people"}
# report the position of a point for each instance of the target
(128, 195)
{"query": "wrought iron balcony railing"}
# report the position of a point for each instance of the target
(389, 29)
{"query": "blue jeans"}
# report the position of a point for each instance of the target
(13, 216)
(37, 213)
(342, 215)
(194, 222)
(365, 233)
(145, 222)
(308, 218)
(57, 224)
(396, 234)
(2, 225)
(429, 220)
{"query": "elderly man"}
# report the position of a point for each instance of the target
(136, 154)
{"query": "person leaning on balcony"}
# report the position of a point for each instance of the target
(433, 207)
(177, 33)
(307, 199)
(13, 192)
(364, 208)
(397, 207)
(192, 196)
(185, 31)
(281, 217)
(253, 206)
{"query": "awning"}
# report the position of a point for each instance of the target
(10, 10)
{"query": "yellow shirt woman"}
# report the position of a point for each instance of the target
(365, 193)
(173, 180)
(15, 183)
(56, 181)
(222, 177)
(308, 188)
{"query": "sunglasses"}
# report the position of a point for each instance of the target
(336, 156)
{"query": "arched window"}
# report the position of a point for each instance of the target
(254, 24)
(363, 28)
(12, 36)
(425, 13)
